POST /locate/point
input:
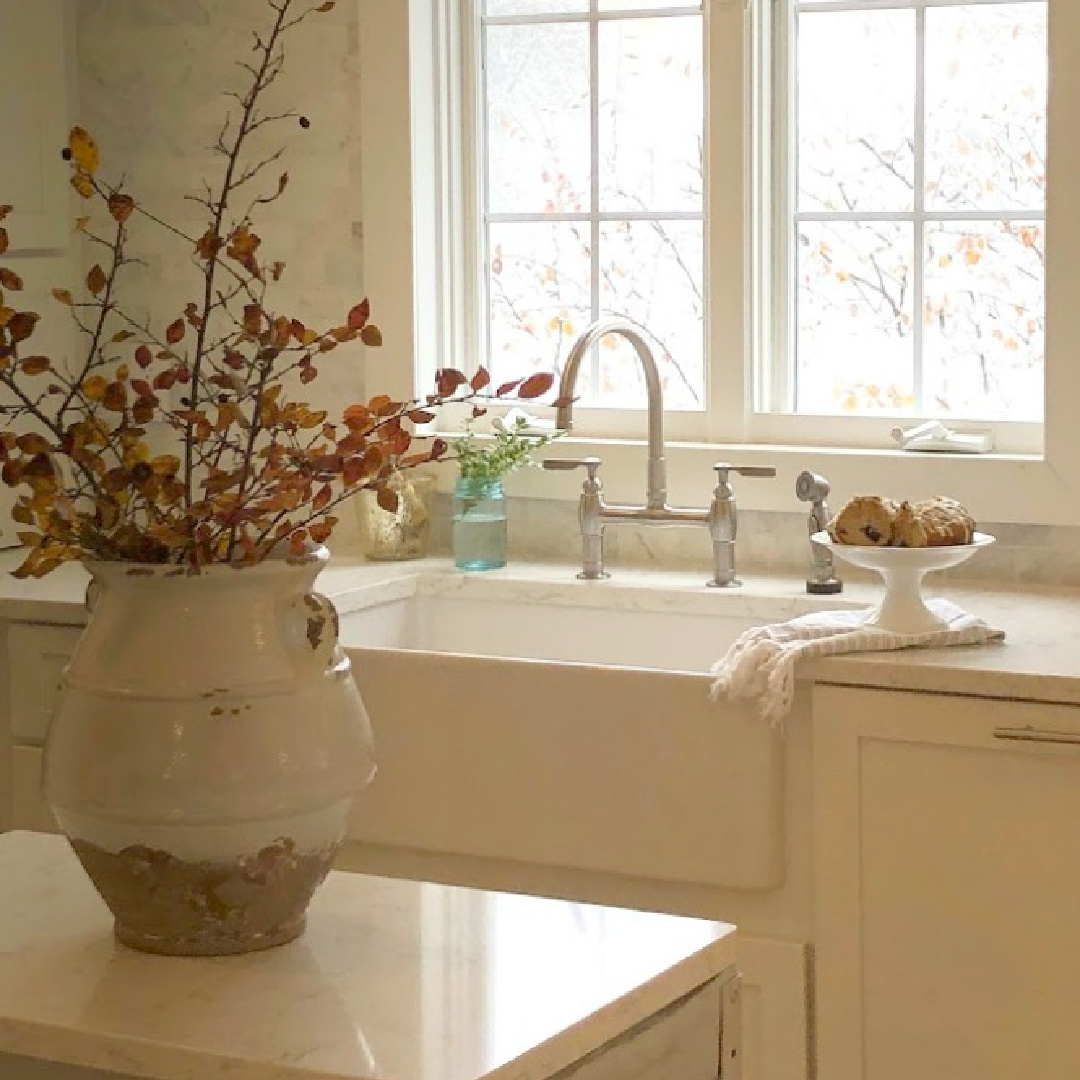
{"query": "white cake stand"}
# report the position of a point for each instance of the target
(902, 609)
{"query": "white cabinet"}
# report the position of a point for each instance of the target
(947, 879)
(35, 658)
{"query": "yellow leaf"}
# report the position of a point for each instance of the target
(83, 184)
(84, 151)
(95, 386)
(63, 296)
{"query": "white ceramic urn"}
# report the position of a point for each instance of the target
(206, 748)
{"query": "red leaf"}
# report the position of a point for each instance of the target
(35, 365)
(21, 325)
(535, 385)
(387, 498)
(507, 388)
(121, 206)
(480, 379)
(447, 381)
(175, 332)
(359, 316)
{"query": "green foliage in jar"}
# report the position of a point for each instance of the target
(509, 447)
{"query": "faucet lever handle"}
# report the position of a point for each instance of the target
(724, 467)
(592, 464)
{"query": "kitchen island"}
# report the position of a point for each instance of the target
(393, 980)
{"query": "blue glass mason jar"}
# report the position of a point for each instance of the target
(479, 524)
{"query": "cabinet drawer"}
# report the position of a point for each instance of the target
(37, 656)
(28, 809)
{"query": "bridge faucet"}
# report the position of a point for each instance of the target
(594, 513)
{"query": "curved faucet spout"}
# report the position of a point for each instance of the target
(656, 477)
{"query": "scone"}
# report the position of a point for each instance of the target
(865, 521)
(936, 522)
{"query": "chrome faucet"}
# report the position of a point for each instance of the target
(594, 513)
(656, 476)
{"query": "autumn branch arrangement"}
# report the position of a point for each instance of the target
(181, 444)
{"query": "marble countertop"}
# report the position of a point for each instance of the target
(396, 980)
(1039, 660)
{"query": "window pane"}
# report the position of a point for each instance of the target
(539, 294)
(651, 102)
(856, 114)
(983, 320)
(986, 107)
(647, 5)
(538, 118)
(535, 7)
(651, 272)
(854, 317)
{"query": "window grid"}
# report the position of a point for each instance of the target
(786, 369)
(596, 218)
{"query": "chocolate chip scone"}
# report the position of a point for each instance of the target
(936, 522)
(865, 521)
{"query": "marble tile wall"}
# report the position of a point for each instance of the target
(150, 81)
(769, 542)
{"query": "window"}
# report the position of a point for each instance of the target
(418, 117)
(915, 208)
(898, 196)
(592, 187)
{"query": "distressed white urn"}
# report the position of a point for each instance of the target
(207, 745)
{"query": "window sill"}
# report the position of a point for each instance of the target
(1006, 488)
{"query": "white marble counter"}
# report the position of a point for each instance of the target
(1040, 659)
(394, 980)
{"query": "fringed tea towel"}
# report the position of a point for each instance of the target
(760, 665)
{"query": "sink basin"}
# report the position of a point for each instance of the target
(566, 723)
(568, 622)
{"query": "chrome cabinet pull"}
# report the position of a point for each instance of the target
(1030, 734)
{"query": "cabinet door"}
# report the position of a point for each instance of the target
(947, 879)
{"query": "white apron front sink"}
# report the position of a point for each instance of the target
(568, 724)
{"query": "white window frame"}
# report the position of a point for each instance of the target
(772, 265)
(411, 195)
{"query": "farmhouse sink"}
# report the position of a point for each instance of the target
(569, 724)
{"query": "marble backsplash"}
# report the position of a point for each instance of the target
(769, 542)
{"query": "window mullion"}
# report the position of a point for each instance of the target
(919, 225)
(594, 179)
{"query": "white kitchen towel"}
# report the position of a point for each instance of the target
(760, 665)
